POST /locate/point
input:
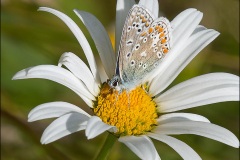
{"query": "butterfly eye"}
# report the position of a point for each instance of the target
(134, 24)
(137, 25)
(154, 45)
(166, 38)
(140, 64)
(115, 83)
(132, 62)
(139, 30)
(155, 64)
(152, 35)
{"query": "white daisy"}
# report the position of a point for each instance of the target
(138, 115)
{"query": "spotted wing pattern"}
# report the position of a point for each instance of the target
(144, 43)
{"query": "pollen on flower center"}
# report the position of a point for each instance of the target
(133, 113)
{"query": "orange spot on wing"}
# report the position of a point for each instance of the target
(144, 20)
(163, 41)
(160, 29)
(161, 35)
(150, 30)
(165, 51)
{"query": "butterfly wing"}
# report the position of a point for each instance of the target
(138, 20)
(144, 43)
(154, 43)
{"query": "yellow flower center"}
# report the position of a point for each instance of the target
(133, 113)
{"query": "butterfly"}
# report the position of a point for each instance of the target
(144, 43)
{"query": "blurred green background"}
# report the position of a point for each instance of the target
(30, 38)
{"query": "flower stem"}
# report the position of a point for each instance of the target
(107, 146)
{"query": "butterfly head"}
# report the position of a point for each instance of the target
(115, 83)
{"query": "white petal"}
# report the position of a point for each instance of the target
(152, 6)
(96, 126)
(52, 110)
(201, 90)
(142, 146)
(182, 16)
(181, 117)
(80, 70)
(102, 73)
(64, 126)
(80, 37)
(101, 40)
(182, 31)
(208, 130)
(175, 65)
(122, 8)
(59, 75)
(199, 28)
(186, 152)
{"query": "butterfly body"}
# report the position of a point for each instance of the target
(144, 43)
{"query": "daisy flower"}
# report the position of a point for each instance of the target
(144, 112)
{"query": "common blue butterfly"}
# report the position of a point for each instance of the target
(144, 43)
